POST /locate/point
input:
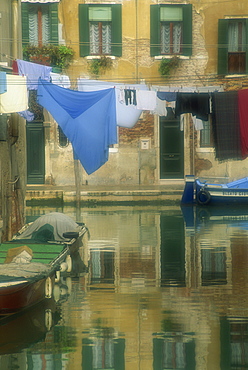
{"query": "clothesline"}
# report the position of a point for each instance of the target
(228, 109)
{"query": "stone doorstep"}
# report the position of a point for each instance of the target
(108, 195)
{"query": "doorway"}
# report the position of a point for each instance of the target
(171, 148)
(35, 152)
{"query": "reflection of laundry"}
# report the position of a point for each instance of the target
(15, 99)
(146, 100)
(33, 72)
(130, 96)
(3, 82)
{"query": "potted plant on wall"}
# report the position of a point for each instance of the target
(99, 65)
(57, 56)
(166, 65)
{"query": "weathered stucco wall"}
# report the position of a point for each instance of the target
(128, 163)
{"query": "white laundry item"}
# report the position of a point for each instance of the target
(146, 100)
(160, 109)
(126, 115)
(60, 80)
(197, 123)
(16, 97)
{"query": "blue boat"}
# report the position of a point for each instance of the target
(206, 193)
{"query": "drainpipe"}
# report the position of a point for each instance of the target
(15, 24)
(14, 52)
(136, 44)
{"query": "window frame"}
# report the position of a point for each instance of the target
(207, 126)
(222, 66)
(155, 23)
(116, 29)
(53, 22)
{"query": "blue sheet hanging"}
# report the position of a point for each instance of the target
(88, 119)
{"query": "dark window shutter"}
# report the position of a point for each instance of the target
(53, 15)
(246, 49)
(223, 46)
(84, 37)
(116, 33)
(25, 27)
(154, 30)
(187, 29)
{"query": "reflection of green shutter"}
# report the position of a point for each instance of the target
(84, 36)
(187, 29)
(116, 48)
(154, 30)
(25, 27)
(87, 355)
(53, 19)
(223, 47)
(119, 354)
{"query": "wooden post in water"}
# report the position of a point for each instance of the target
(77, 181)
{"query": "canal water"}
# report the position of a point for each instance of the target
(166, 288)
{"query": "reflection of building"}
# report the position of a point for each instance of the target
(103, 351)
(138, 319)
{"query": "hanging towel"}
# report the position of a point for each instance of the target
(33, 72)
(160, 109)
(27, 115)
(3, 82)
(243, 118)
(198, 124)
(88, 119)
(195, 103)
(126, 115)
(167, 95)
(146, 100)
(226, 129)
(16, 97)
(60, 80)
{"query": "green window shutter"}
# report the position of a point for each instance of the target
(53, 15)
(154, 30)
(187, 29)
(246, 49)
(25, 27)
(84, 37)
(223, 47)
(116, 47)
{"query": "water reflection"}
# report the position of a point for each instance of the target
(165, 289)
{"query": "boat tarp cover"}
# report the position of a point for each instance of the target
(23, 270)
(49, 227)
(88, 119)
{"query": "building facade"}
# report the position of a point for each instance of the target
(12, 128)
(194, 46)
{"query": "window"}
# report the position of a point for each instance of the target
(206, 139)
(63, 141)
(232, 46)
(171, 29)
(39, 23)
(100, 30)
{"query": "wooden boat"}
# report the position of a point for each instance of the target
(207, 193)
(30, 262)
